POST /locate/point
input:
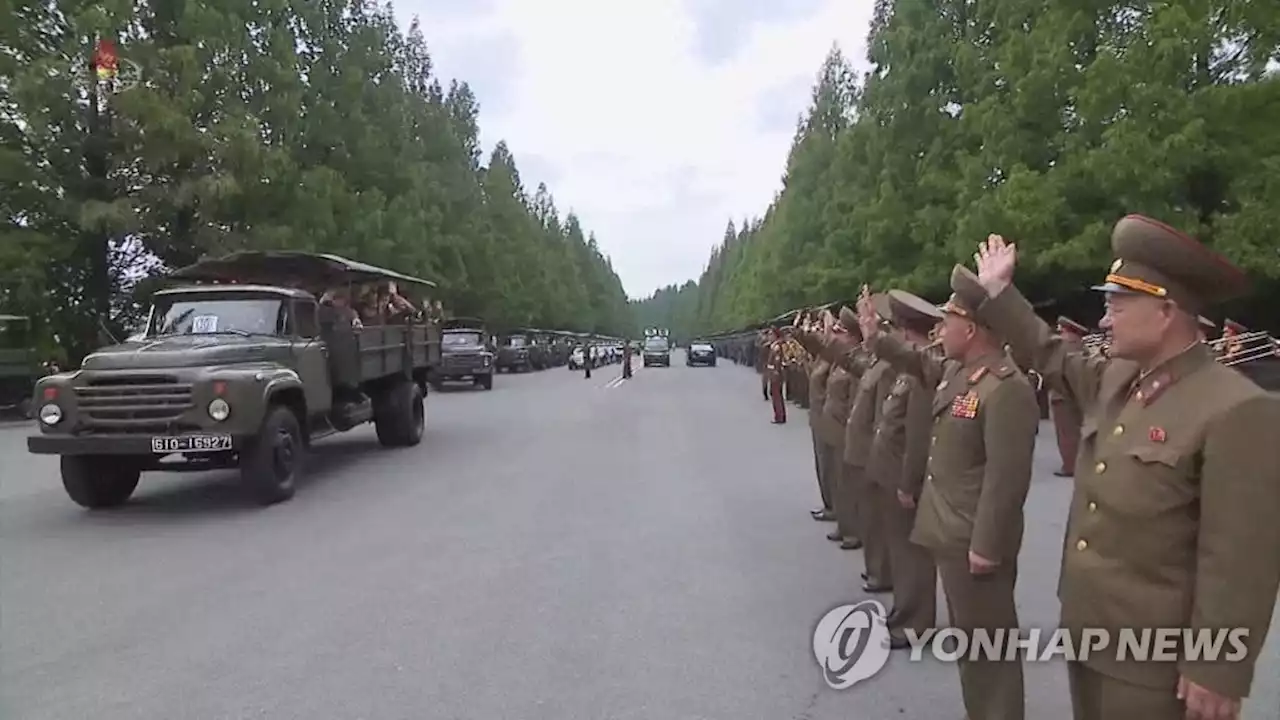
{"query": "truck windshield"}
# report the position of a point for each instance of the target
(199, 316)
(656, 344)
(460, 338)
(517, 341)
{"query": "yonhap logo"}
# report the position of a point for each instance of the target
(851, 643)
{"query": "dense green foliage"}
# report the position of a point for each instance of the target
(1042, 120)
(302, 124)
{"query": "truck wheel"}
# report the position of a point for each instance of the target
(273, 462)
(400, 417)
(95, 484)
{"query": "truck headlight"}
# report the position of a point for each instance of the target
(51, 414)
(219, 409)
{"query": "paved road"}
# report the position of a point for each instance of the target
(556, 548)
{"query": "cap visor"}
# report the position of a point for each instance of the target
(1114, 288)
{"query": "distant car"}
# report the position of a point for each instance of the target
(657, 351)
(700, 354)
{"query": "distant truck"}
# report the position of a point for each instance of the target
(519, 353)
(657, 348)
(18, 371)
(241, 368)
(464, 354)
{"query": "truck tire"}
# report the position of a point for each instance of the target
(97, 484)
(272, 463)
(400, 416)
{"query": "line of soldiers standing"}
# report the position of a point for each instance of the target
(924, 422)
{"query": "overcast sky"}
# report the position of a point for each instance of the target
(655, 120)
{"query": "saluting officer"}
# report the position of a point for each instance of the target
(979, 471)
(873, 493)
(899, 459)
(842, 349)
(819, 371)
(1173, 522)
(1065, 410)
(774, 373)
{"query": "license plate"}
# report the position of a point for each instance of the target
(190, 443)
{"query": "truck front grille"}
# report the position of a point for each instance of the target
(133, 403)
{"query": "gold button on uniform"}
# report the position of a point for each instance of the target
(942, 385)
(1082, 545)
(1118, 431)
(1093, 507)
(1100, 468)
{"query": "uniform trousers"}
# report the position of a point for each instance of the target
(846, 496)
(873, 503)
(1095, 696)
(915, 578)
(992, 689)
(822, 459)
(775, 394)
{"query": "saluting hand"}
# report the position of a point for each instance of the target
(867, 315)
(1205, 704)
(996, 261)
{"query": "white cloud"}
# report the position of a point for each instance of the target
(651, 145)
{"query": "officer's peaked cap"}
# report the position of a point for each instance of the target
(1157, 260)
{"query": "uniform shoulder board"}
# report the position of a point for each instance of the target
(977, 375)
(1003, 371)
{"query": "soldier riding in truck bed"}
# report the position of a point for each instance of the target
(242, 367)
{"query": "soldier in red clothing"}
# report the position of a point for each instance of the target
(1065, 411)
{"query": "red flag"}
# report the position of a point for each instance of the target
(105, 62)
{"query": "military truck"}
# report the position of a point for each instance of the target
(464, 354)
(516, 353)
(657, 350)
(17, 365)
(239, 367)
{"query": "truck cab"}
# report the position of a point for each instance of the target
(657, 351)
(465, 354)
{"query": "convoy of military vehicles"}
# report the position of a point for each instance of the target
(245, 361)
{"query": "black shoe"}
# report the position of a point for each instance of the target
(823, 516)
(851, 544)
(835, 536)
(898, 643)
(876, 588)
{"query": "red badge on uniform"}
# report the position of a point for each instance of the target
(1156, 434)
(965, 406)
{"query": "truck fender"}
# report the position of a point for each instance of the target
(284, 381)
